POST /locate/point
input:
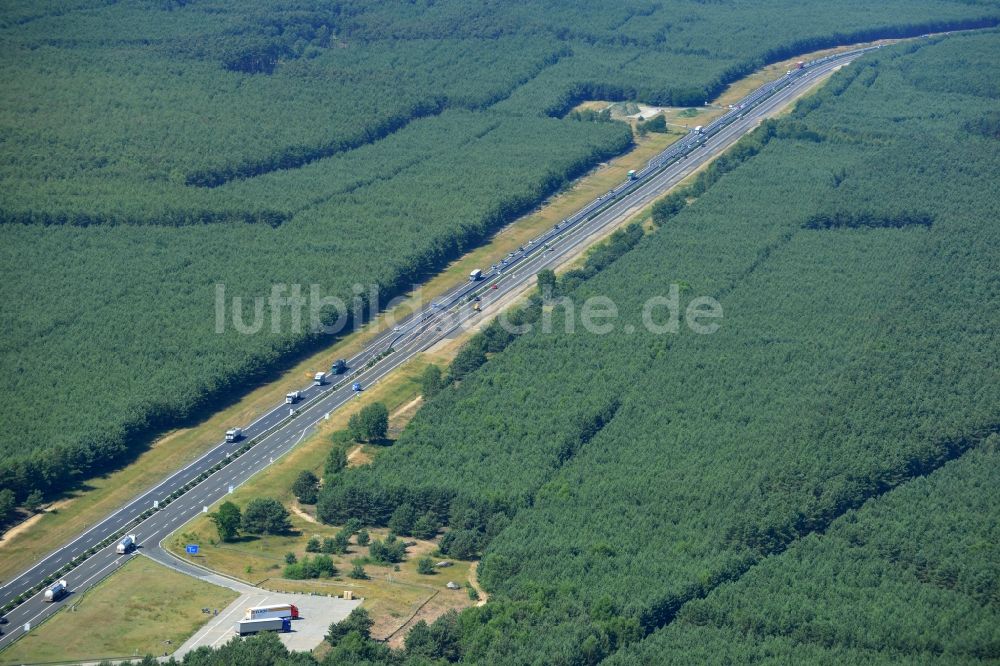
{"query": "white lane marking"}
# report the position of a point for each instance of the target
(765, 106)
(236, 609)
(80, 586)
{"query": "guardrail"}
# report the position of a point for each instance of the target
(660, 162)
(138, 520)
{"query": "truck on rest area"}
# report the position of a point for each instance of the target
(126, 545)
(475, 276)
(293, 397)
(319, 378)
(234, 434)
(339, 366)
(800, 64)
(248, 627)
(697, 129)
(57, 591)
(290, 611)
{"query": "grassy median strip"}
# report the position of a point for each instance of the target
(102, 495)
(28, 543)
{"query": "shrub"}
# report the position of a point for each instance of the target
(460, 544)
(370, 424)
(320, 566)
(336, 460)
(306, 487)
(227, 521)
(264, 515)
(358, 621)
(387, 552)
(340, 541)
(403, 519)
(431, 382)
(426, 527)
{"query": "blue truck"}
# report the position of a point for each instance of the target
(248, 627)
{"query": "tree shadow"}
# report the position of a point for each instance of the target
(248, 537)
(243, 538)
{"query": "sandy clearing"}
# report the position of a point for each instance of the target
(297, 510)
(474, 581)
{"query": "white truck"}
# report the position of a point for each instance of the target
(697, 129)
(291, 611)
(319, 378)
(247, 627)
(293, 397)
(234, 434)
(125, 545)
(57, 591)
(631, 174)
(475, 276)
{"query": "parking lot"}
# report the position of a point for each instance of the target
(316, 614)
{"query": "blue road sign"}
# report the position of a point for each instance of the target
(192, 549)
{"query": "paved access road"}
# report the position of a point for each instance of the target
(275, 433)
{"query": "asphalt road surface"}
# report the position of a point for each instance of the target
(276, 432)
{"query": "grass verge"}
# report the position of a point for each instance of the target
(135, 611)
(395, 598)
(102, 495)
(391, 596)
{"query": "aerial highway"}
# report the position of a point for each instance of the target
(279, 430)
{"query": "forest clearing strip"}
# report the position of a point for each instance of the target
(601, 419)
(277, 388)
(296, 157)
(661, 615)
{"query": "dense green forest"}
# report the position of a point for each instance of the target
(155, 149)
(912, 577)
(909, 578)
(610, 481)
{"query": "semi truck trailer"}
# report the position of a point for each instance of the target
(248, 627)
(274, 610)
(234, 434)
